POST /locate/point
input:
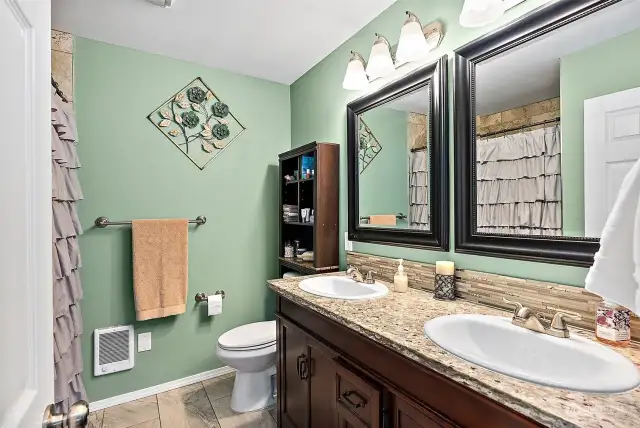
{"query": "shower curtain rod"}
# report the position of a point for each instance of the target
(518, 128)
(103, 222)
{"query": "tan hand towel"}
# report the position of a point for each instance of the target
(160, 267)
(383, 219)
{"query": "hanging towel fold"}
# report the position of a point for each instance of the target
(160, 267)
(615, 274)
(383, 219)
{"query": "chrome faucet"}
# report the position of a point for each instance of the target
(355, 274)
(370, 279)
(524, 317)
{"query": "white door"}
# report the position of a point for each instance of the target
(26, 327)
(611, 148)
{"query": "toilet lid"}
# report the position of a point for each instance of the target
(249, 336)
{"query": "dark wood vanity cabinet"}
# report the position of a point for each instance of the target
(319, 389)
(329, 376)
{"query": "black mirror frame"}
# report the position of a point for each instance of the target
(438, 237)
(575, 251)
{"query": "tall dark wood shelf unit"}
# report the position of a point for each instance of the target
(320, 193)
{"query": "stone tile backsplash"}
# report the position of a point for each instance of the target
(546, 298)
(62, 61)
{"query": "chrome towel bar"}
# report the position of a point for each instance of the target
(103, 222)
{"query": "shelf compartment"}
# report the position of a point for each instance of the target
(300, 181)
(305, 267)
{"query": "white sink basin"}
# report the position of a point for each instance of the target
(342, 287)
(576, 363)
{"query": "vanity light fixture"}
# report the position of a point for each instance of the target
(355, 78)
(380, 63)
(477, 13)
(413, 45)
(434, 36)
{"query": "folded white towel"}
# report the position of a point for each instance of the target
(615, 274)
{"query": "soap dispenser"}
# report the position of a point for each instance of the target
(400, 280)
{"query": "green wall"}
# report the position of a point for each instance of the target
(388, 170)
(130, 170)
(319, 113)
(599, 70)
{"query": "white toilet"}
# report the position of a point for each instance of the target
(251, 350)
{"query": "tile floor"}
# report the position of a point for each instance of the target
(201, 405)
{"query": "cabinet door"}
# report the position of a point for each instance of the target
(293, 392)
(322, 385)
(407, 414)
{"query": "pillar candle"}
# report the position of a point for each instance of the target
(445, 268)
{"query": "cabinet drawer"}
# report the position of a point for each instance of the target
(408, 414)
(358, 396)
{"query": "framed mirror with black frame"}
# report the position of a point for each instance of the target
(398, 162)
(547, 125)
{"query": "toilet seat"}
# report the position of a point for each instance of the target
(249, 337)
(247, 348)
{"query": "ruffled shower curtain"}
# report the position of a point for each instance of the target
(519, 183)
(67, 289)
(418, 190)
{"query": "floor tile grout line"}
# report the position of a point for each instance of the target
(213, 409)
(159, 416)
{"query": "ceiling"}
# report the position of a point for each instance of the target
(277, 40)
(531, 72)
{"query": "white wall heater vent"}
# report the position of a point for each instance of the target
(113, 349)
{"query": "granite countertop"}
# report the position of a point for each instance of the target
(396, 321)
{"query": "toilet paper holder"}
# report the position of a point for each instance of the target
(201, 297)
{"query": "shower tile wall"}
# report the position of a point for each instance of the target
(62, 61)
(532, 113)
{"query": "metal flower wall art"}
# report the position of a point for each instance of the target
(197, 122)
(369, 145)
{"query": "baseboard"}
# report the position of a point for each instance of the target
(157, 389)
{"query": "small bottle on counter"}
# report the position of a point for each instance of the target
(613, 324)
(400, 279)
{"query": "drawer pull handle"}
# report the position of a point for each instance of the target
(354, 405)
(298, 365)
(302, 367)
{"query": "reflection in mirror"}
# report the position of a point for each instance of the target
(393, 162)
(558, 127)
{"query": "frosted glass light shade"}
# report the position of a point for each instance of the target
(355, 78)
(380, 63)
(476, 13)
(412, 45)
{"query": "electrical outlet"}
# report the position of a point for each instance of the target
(144, 342)
(348, 245)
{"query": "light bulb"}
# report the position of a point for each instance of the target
(380, 63)
(355, 78)
(412, 45)
(476, 13)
